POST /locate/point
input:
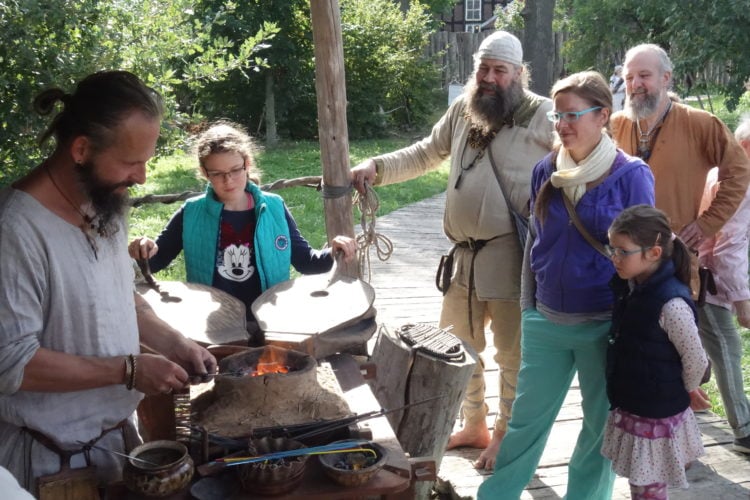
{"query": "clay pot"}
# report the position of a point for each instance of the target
(354, 468)
(173, 471)
(276, 477)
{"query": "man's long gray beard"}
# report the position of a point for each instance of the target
(492, 111)
(642, 108)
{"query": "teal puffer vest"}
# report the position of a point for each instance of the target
(200, 236)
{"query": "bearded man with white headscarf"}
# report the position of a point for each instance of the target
(499, 120)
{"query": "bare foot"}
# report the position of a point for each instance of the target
(487, 458)
(473, 436)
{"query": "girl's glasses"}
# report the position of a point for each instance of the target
(230, 174)
(569, 116)
(621, 253)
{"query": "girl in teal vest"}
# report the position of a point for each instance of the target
(655, 361)
(235, 237)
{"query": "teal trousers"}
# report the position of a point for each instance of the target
(551, 354)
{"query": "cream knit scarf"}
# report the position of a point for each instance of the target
(572, 177)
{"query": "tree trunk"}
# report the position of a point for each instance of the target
(271, 136)
(330, 88)
(539, 43)
(404, 376)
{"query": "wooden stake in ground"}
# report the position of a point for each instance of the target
(330, 88)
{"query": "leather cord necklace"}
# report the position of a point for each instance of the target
(88, 222)
(478, 139)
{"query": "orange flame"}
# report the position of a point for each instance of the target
(271, 361)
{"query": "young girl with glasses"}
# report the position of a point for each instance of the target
(235, 237)
(655, 359)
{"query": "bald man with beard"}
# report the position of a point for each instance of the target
(498, 117)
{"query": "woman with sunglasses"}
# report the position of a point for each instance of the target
(236, 237)
(566, 301)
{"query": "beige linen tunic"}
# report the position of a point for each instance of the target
(477, 209)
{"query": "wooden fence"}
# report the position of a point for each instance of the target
(455, 51)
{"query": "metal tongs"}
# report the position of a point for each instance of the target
(136, 459)
(146, 272)
(231, 373)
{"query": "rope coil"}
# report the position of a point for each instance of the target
(368, 205)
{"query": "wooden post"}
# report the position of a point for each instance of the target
(330, 88)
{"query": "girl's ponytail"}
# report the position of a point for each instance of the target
(681, 259)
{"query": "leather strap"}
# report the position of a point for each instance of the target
(65, 455)
(581, 228)
(496, 171)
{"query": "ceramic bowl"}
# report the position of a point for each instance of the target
(172, 471)
(275, 477)
(354, 468)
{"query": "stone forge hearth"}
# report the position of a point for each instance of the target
(267, 387)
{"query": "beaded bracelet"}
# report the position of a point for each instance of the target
(131, 381)
(128, 370)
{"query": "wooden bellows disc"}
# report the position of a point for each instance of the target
(311, 304)
(200, 312)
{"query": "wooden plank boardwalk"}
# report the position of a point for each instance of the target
(405, 293)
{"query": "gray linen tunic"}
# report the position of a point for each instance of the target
(55, 294)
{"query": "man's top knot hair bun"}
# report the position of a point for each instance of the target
(45, 102)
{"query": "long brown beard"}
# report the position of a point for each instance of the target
(492, 111)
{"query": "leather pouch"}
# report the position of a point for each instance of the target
(444, 272)
(707, 284)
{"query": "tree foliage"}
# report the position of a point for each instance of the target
(389, 82)
(707, 40)
(45, 44)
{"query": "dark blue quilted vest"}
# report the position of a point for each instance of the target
(644, 370)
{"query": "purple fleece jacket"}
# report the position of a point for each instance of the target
(572, 277)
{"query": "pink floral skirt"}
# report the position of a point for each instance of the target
(651, 450)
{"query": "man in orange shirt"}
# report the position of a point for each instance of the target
(680, 144)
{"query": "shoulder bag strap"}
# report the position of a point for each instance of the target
(499, 181)
(581, 228)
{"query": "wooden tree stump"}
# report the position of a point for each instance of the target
(405, 376)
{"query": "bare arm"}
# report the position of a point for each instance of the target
(53, 371)
(157, 335)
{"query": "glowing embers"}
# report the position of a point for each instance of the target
(271, 361)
